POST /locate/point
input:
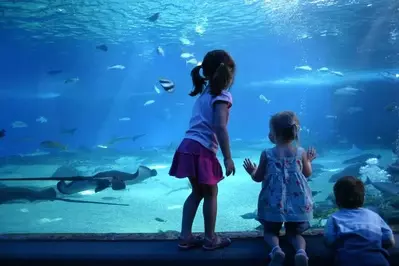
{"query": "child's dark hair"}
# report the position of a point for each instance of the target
(349, 192)
(218, 68)
(285, 126)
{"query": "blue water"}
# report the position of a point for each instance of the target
(267, 39)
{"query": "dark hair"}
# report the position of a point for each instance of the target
(285, 126)
(349, 192)
(218, 68)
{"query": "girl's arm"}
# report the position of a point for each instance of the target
(261, 171)
(306, 165)
(220, 118)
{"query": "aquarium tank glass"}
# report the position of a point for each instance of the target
(94, 102)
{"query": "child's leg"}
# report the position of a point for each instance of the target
(190, 209)
(271, 231)
(294, 233)
(212, 241)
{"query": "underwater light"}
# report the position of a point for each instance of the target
(87, 192)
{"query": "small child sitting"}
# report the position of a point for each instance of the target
(357, 235)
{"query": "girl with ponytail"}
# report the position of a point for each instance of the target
(285, 196)
(195, 158)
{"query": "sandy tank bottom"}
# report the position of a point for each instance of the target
(156, 205)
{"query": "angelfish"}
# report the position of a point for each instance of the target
(167, 85)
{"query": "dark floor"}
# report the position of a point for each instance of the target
(137, 253)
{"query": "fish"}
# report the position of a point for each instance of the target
(124, 119)
(160, 220)
(41, 119)
(69, 131)
(361, 158)
(323, 69)
(185, 41)
(160, 51)
(387, 188)
(121, 67)
(315, 193)
(54, 72)
(18, 124)
(71, 80)
(167, 85)
(102, 47)
(331, 117)
(351, 170)
(250, 215)
(337, 73)
(74, 187)
(156, 89)
(391, 107)
(2, 133)
(263, 98)
(49, 144)
(348, 90)
(354, 109)
(154, 17)
(186, 55)
(192, 61)
(119, 139)
(142, 174)
(306, 68)
(149, 102)
(15, 194)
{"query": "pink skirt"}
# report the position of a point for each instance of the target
(192, 159)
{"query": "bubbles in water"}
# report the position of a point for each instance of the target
(302, 102)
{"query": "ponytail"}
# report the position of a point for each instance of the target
(198, 81)
(220, 80)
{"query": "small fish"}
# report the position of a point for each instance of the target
(306, 68)
(124, 119)
(323, 69)
(18, 124)
(160, 220)
(348, 90)
(354, 109)
(149, 102)
(110, 198)
(186, 55)
(250, 215)
(121, 67)
(160, 51)
(315, 193)
(49, 144)
(70, 131)
(54, 72)
(156, 89)
(391, 107)
(71, 80)
(41, 119)
(263, 98)
(102, 147)
(2, 133)
(185, 41)
(102, 47)
(119, 139)
(154, 17)
(192, 61)
(331, 117)
(337, 73)
(167, 85)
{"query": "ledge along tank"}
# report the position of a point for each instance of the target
(88, 88)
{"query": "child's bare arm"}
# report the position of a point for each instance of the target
(306, 165)
(261, 171)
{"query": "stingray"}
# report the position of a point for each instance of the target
(351, 170)
(22, 194)
(100, 181)
(361, 158)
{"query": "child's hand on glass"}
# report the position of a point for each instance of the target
(249, 166)
(311, 154)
